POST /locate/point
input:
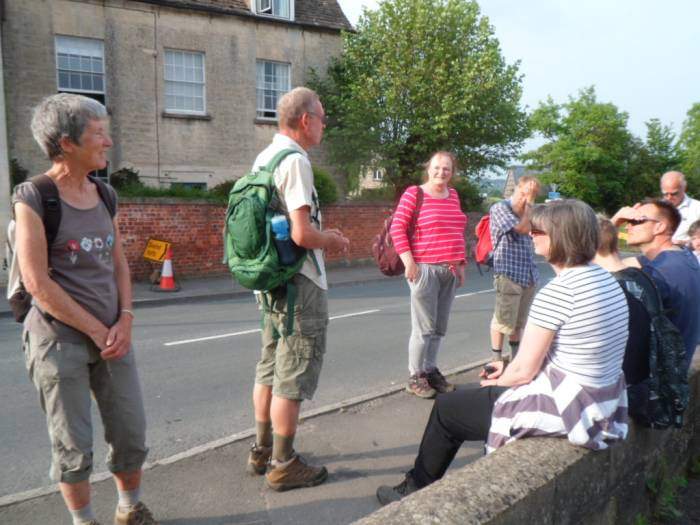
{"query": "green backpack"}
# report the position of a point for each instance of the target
(249, 248)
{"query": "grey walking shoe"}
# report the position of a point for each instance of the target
(419, 386)
(139, 514)
(387, 494)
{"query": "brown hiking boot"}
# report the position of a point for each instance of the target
(138, 515)
(418, 385)
(294, 474)
(438, 381)
(258, 459)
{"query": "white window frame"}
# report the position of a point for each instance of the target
(81, 49)
(171, 80)
(261, 111)
(267, 8)
(377, 175)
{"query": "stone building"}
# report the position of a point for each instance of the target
(191, 85)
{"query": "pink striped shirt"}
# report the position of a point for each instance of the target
(439, 235)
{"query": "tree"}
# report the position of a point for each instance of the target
(416, 77)
(589, 153)
(659, 154)
(690, 148)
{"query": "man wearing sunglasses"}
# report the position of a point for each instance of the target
(673, 186)
(676, 273)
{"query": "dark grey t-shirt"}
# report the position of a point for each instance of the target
(81, 263)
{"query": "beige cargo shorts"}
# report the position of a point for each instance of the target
(512, 305)
(291, 362)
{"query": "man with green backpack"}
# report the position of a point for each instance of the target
(295, 311)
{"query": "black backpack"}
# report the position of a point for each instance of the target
(20, 300)
(660, 400)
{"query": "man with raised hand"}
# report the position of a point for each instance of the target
(675, 271)
(515, 272)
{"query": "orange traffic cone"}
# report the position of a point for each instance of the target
(167, 281)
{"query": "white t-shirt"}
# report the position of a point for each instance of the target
(690, 212)
(295, 182)
(587, 309)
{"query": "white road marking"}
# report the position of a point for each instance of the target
(246, 332)
(474, 293)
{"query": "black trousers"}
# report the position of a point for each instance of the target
(459, 416)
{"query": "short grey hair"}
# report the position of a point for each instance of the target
(63, 115)
(292, 106)
(573, 232)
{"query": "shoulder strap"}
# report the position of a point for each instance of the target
(416, 211)
(279, 157)
(106, 195)
(51, 204)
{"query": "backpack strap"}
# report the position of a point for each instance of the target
(279, 157)
(51, 205)
(106, 195)
(416, 212)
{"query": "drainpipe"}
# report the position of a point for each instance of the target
(4, 172)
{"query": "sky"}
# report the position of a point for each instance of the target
(641, 55)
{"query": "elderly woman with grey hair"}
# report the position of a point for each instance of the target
(77, 334)
(567, 377)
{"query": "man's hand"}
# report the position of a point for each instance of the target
(118, 341)
(336, 241)
(623, 215)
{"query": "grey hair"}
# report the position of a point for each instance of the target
(573, 232)
(292, 106)
(63, 115)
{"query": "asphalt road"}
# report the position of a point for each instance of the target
(196, 362)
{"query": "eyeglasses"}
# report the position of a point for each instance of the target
(671, 193)
(323, 119)
(534, 232)
(641, 220)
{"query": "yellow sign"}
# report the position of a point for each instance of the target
(155, 250)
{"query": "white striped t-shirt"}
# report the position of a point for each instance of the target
(587, 309)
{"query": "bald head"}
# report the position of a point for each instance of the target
(673, 187)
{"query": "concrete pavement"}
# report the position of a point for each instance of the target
(363, 446)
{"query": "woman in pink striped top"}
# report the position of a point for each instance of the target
(434, 258)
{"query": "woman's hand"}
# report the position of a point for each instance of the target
(459, 272)
(412, 271)
(492, 378)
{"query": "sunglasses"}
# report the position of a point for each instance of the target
(670, 193)
(641, 220)
(534, 232)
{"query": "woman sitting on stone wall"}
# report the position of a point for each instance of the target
(567, 377)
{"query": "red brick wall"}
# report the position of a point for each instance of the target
(195, 228)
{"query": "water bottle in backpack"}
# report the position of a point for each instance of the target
(283, 242)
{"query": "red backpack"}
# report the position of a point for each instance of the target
(383, 250)
(483, 251)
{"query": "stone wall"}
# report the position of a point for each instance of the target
(548, 481)
(195, 229)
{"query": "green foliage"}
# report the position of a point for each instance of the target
(659, 154)
(590, 151)
(416, 77)
(178, 192)
(640, 519)
(223, 188)
(125, 177)
(664, 490)
(384, 193)
(690, 146)
(325, 186)
(469, 196)
(18, 174)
